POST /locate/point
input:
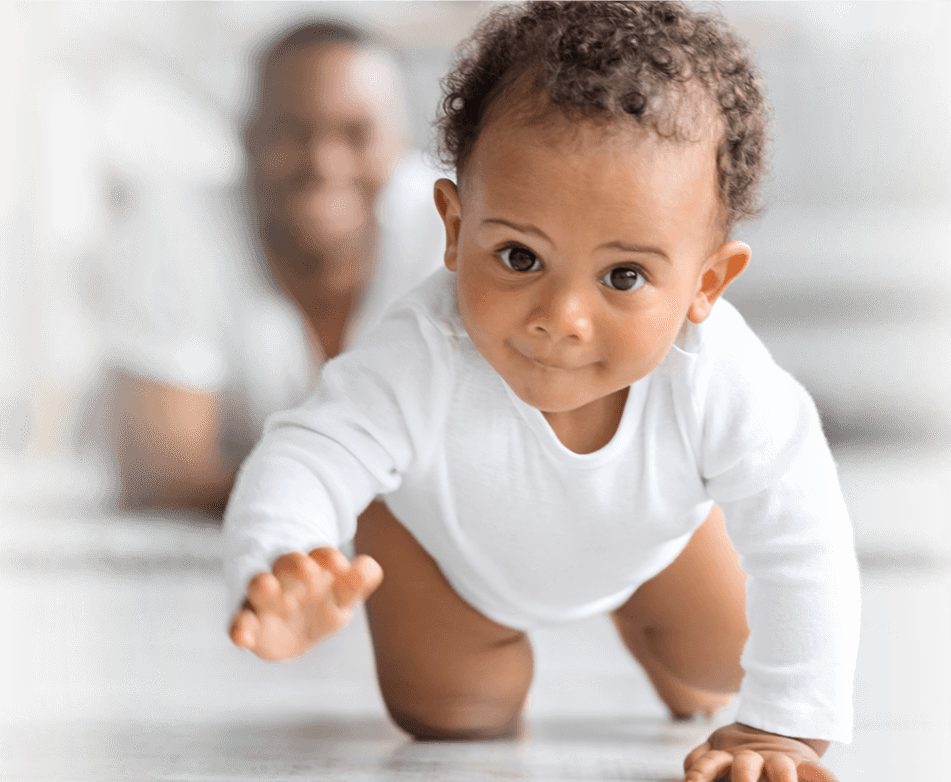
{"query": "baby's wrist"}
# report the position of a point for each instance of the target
(819, 746)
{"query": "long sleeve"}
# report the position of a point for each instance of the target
(766, 462)
(318, 466)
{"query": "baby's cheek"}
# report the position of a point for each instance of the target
(641, 349)
(481, 313)
(665, 327)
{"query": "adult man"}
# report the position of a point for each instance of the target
(230, 305)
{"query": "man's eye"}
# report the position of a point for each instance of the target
(519, 259)
(623, 278)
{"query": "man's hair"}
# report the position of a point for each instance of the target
(323, 32)
(658, 64)
(301, 35)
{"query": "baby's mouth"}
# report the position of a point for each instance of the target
(547, 365)
(554, 363)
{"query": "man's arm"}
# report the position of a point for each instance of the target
(166, 441)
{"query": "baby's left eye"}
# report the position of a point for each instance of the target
(623, 278)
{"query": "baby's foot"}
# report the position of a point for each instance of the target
(304, 598)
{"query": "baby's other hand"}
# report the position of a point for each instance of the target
(304, 598)
(739, 753)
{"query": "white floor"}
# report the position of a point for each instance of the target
(114, 664)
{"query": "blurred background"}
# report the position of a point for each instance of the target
(850, 285)
(108, 102)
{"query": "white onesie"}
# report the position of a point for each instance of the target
(530, 532)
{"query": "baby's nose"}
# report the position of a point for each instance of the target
(563, 312)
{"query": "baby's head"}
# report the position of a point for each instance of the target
(603, 153)
(651, 65)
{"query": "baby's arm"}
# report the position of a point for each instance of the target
(312, 474)
(740, 753)
(766, 462)
(304, 598)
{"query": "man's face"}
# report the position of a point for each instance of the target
(327, 138)
(578, 261)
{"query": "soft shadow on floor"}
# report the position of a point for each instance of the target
(369, 749)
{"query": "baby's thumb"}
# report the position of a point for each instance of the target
(359, 582)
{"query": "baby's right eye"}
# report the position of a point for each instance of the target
(519, 259)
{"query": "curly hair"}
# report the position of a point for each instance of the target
(656, 63)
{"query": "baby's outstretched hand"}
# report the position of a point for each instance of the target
(304, 598)
(739, 753)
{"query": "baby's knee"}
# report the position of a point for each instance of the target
(454, 717)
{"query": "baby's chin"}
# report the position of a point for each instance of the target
(551, 400)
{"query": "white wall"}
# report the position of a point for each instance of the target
(11, 137)
(20, 282)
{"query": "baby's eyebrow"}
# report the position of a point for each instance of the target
(612, 245)
(634, 248)
(524, 228)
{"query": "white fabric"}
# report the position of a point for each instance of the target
(196, 307)
(529, 532)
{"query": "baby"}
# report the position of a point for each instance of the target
(549, 420)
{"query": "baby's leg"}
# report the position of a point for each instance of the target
(445, 670)
(687, 625)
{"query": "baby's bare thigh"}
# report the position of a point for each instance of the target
(692, 615)
(445, 670)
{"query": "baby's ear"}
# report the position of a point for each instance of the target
(450, 210)
(717, 272)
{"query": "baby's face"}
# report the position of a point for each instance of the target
(578, 260)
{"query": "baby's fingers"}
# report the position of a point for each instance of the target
(810, 771)
(363, 576)
(330, 559)
(265, 593)
(708, 766)
(695, 754)
(747, 767)
(780, 768)
(244, 629)
(299, 576)
(352, 580)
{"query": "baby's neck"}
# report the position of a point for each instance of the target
(588, 429)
